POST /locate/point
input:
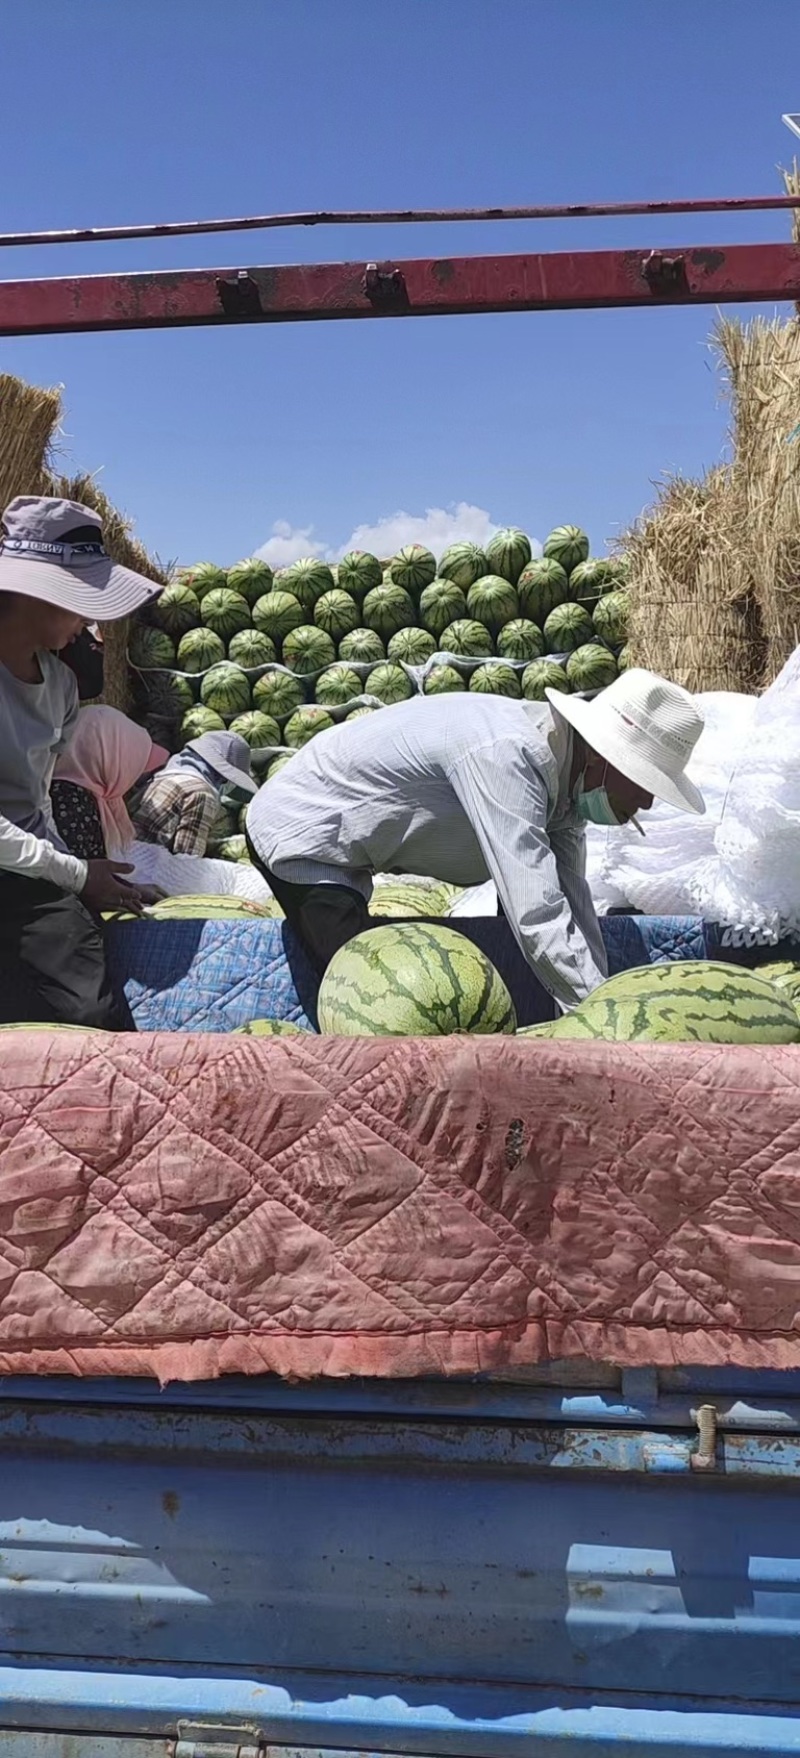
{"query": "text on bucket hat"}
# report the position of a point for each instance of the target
(38, 560)
(646, 728)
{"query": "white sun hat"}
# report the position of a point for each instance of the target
(644, 727)
(38, 560)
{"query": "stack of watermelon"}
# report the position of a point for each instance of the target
(278, 657)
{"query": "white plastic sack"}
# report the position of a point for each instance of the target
(193, 876)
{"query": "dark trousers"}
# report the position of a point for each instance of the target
(52, 959)
(324, 917)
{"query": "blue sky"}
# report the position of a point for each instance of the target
(145, 110)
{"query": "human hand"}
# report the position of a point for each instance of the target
(107, 888)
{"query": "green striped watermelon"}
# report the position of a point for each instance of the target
(276, 614)
(567, 544)
(251, 648)
(278, 692)
(362, 647)
(444, 680)
(463, 563)
(412, 979)
(785, 974)
(337, 613)
(198, 721)
(358, 572)
(590, 579)
(696, 1001)
(520, 639)
(234, 848)
(251, 579)
(199, 649)
(591, 667)
(413, 568)
(611, 617)
(365, 708)
(337, 685)
(307, 650)
(270, 1028)
(567, 627)
(204, 577)
(388, 608)
(225, 612)
(257, 729)
(495, 679)
(541, 675)
(177, 609)
(226, 689)
(305, 724)
(508, 552)
(624, 661)
(441, 604)
(493, 602)
(151, 649)
(412, 646)
(307, 579)
(468, 639)
(400, 899)
(279, 763)
(389, 683)
(540, 587)
(208, 908)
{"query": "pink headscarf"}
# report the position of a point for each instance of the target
(106, 754)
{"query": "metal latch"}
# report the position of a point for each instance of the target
(665, 274)
(239, 298)
(385, 287)
(197, 1740)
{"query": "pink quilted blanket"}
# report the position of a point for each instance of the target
(194, 1205)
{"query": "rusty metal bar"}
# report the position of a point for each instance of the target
(572, 280)
(402, 217)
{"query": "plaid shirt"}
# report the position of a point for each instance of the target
(178, 814)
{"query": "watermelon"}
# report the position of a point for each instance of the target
(358, 713)
(389, 683)
(495, 680)
(624, 660)
(204, 577)
(276, 614)
(199, 649)
(45, 1025)
(234, 848)
(493, 602)
(412, 980)
(590, 579)
(567, 627)
(151, 649)
(694, 1001)
(540, 587)
(172, 697)
(209, 907)
(443, 680)
(567, 544)
(541, 675)
(591, 667)
(520, 639)
(467, 638)
(307, 650)
(358, 572)
(177, 609)
(257, 729)
(412, 646)
(225, 612)
(251, 648)
(399, 899)
(270, 1028)
(278, 693)
(225, 689)
(337, 613)
(251, 579)
(463, 563)
(304, 724)
(279, 763)
(362, 647)
(611, 617)
(413, 568)
(199, 721)
(307, 579)
(339, 684)
(785, 974)
(508, 552)
(388, 608)
(441, 604)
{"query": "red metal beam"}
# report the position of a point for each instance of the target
(571, 280)
(401, 217)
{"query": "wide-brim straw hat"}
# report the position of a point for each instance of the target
(646, 728)
(37, 561)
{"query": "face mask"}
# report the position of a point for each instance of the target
(594, 807)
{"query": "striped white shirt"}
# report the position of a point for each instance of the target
(464, 788)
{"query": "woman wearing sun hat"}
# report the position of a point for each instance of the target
(55, 578)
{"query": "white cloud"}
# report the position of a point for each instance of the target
(287, 543)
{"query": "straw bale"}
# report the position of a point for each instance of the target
(29, 418)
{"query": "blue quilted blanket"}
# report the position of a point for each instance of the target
(184, 976)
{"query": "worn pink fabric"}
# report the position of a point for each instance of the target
(187, 1206)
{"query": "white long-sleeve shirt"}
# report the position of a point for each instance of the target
(36, 721)
(464, 788)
